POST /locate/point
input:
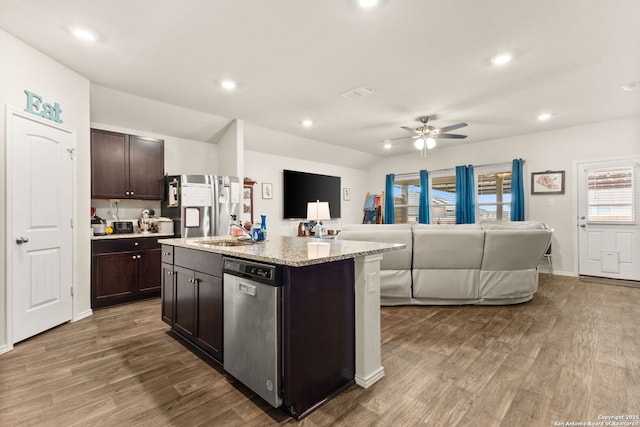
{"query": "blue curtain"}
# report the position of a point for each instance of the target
(465, 200)
(517, 191)
(423, 209)
(389, 206)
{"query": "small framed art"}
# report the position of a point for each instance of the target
(547, 182)
(267, 190)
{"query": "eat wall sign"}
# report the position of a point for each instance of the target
(42, 109)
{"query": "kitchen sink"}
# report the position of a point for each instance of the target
(225, 242)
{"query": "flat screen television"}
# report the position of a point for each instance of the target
(303, 187)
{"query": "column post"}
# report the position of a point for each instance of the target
(368, 348)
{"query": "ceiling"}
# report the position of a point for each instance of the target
(293, 59)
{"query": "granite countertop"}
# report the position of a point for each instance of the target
(130, 236)
(291, 251)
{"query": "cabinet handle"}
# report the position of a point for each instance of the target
(126, 193)
(169, 273)
(133, 257)
(135, 243)
(139, 256)
(166, 253)
(131, 193)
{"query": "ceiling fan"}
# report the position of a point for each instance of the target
(426, 135)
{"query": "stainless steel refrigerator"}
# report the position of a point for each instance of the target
(201, 205)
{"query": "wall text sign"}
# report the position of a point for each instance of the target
(44, 110)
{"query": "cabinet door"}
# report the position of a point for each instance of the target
(149, 274)
(184, 315)
(209, 314)
(109, 178)
(168, 296)
(113, 278)
(146, 168)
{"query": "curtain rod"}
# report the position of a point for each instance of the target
(404, 175)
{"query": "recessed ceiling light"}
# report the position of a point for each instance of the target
(543, 117)
(307, 123)
(83, 34)
(367, 3)
(387, 145)
(631, 86)
(228, 84)
(501, 59)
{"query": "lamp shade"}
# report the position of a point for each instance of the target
(439, 212)
(317, 211)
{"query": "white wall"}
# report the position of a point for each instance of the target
(552, 150)
(262, 168)
(25, 68)
(231, 150)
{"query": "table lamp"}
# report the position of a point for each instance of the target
(439, 212)
(317, 211)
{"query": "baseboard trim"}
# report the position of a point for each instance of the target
(370, 379)
(609, 281)
(82, 315)
(4, 349)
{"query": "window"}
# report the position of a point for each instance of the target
(443, 198)
(610, 195)
(406, 198)
(493, 193)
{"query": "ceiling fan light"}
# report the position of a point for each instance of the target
(431, 142)
(419, 143)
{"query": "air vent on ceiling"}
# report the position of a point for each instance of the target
(358, 92)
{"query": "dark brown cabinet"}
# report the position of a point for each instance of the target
(126, 166)
(124, 270)
(192, 297)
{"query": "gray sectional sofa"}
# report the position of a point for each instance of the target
(493, 263)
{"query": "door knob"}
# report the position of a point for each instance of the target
(582, 225)
(21, 240)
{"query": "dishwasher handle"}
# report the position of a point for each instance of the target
(247, 289)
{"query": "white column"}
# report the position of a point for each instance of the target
(368, 351)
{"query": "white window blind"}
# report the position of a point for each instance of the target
(610, 195)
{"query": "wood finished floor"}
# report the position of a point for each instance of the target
(571, 354)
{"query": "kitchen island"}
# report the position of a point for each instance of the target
(330, 306)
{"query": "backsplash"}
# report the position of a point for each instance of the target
(124, 209)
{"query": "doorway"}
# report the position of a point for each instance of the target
(40, 206)
(608, 207)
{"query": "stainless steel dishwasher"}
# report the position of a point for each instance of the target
(252, 326)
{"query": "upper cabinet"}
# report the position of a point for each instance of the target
(126, 166)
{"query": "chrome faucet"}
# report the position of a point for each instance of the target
(245, 233)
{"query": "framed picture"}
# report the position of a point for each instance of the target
(267, 190)
(547, 182)
(346, 194)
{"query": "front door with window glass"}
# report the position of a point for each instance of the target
(608, 219)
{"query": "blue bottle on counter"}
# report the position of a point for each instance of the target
(263, 226)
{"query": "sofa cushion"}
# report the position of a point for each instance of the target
(447, 248)
(376, 227)
(447, 227)
(395, 260)
(514, 249)
(512, 225)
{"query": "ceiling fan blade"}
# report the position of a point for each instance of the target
(412, 130)
(452, 127)
(451, 136)
(403, 137)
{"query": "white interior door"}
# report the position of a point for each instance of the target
(39, 231)
(609, 219)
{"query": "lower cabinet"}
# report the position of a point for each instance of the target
(124, 270)
(192, 298)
